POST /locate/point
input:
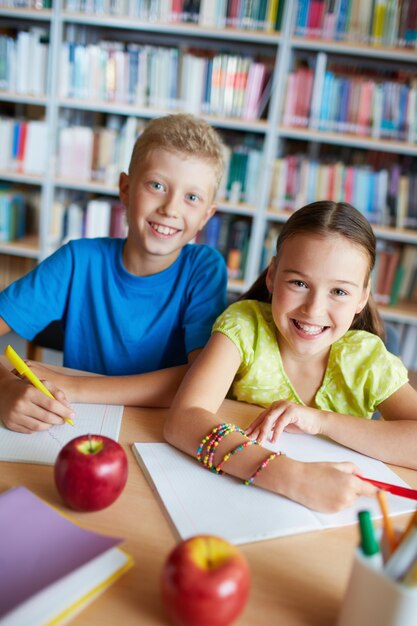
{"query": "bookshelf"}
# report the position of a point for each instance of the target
(309, 38)
(376, 51)
(68, 107)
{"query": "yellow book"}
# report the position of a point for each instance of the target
(271, 14)
(50, 567)
(378, 21)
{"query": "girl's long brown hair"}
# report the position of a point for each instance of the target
(327, 218)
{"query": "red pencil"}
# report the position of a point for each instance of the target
(405, 492)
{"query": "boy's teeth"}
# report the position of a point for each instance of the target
(164, 230)
(308, 329)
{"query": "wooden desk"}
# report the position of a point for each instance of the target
(296, 581)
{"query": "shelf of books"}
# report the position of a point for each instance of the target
(118, 66)
(24, 103)
(348, 131)
(314, 99)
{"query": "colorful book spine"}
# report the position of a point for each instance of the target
(238, 248)
(167, 78)
(12, 215)
(372, 22)
(118, 221)
(386, 195)
(315, 18)
(253, 14)
(301, 18)
(271, 13)
(379, 106)
(410, 34)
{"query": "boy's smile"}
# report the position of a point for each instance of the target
(169, 199)
(318, 285)
(162, 230)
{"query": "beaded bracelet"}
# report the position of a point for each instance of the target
(262, 466)
(212, 440)
(211, 448)
(208, 437)
(249, 442)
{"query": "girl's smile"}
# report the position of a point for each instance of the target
(308, 330)
(318, 285)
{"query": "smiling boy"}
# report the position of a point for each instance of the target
(138, 310)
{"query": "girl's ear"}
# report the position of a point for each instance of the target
(270, 275)
(365, 297)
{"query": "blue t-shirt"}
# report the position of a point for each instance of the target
(116, 323)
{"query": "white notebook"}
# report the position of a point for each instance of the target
(43, 447)
(200, 502)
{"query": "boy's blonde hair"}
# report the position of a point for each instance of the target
(183, 133)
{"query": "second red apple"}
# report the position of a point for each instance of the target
(205, 582)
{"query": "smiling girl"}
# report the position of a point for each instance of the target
(305, 344)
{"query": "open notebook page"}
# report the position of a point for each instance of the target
(200, 502)
(43, 447)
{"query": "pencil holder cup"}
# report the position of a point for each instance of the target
(374, 598)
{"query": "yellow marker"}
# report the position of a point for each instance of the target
(24, 370)
(389, 530)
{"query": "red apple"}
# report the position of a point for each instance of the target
(205, 582)
(90, 472)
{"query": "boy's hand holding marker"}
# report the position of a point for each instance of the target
(36, 411)
(172, 289)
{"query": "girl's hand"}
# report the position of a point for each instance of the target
(25, 409)
(327, 487)
(283, 415)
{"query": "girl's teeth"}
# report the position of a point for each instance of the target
(309, 330)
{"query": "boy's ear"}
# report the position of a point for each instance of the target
(207, 215)
(270, 275)
(124, 189)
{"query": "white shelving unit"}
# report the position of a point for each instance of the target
(282, 47)
(57, 20)
(32, 246)
(405, 312)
